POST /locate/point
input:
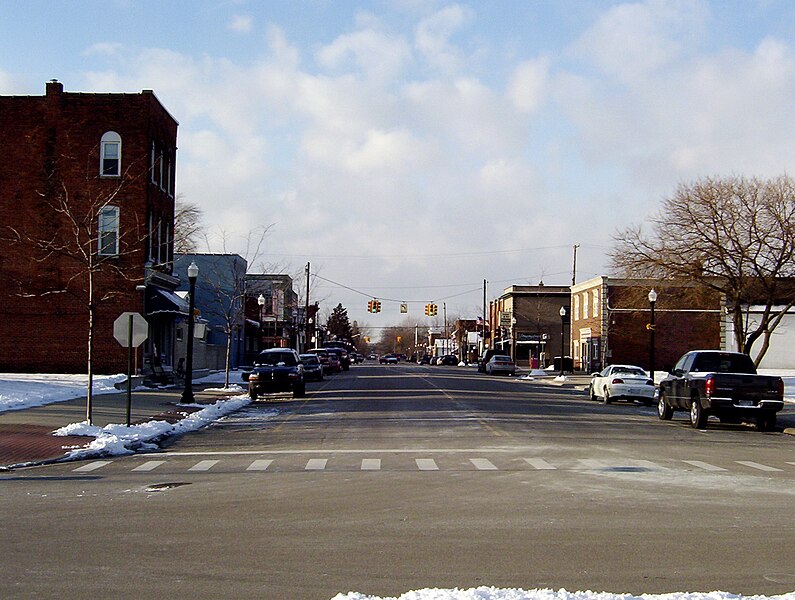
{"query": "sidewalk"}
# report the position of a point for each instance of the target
(26, 435)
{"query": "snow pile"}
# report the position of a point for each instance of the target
(25, 390)
(491, 593)
(114, 440)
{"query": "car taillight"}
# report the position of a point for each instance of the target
(617, 380)
(710, 385)
(780, 388)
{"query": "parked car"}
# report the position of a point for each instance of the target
(622, 381)
(342, 354)
(425, 359)
(500, 363)
(724, 384)
(447, 359)
(484, 358)
(388, 359)
(313, 368)
(277, 370)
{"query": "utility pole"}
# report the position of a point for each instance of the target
(483, 338)
(574, 266)
(306, 312)
(444, 306)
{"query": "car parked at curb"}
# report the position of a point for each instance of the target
(484, 358)
(627, 382)
(277, 370)
(500, 363)
(313, 368)
(449, 360)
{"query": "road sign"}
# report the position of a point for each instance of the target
(121, 329)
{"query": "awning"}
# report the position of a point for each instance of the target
(163, 302)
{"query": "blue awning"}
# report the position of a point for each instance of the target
(164, 302)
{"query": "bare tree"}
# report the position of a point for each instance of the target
(88, 243)
(732, 235)
(188, 226)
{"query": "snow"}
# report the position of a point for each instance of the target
(491, 593)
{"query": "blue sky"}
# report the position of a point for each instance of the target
(410, 149)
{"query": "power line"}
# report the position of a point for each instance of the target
(410, 256)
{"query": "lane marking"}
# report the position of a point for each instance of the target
(92, 466)
(203, 465)
(483, 464)
(316, 464)
(371, 464)
(704, 466)
(590, 463)
(260, 465)
(426, 464)
(757, 466)
(149, 465)
(540, 464)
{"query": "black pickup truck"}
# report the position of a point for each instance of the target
(724, 384)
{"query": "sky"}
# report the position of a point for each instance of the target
(411, 149)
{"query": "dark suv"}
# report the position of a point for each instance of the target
(486, 357)
(277, 370)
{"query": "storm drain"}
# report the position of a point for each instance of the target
(162, 487)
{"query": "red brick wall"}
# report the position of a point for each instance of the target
(50, 147)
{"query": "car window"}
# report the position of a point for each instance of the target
(274, 358)
(502, 358)
(724, 363)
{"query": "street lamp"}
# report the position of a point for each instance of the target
(652, 300)
(261, 302)
(562, 334)
(187, 393)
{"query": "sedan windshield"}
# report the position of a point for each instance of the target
(274, 358)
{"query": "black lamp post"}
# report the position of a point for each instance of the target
(562, 336)
(652, 300)
(261, 302)
(187, 393)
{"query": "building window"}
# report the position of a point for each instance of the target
(576, 308)
(595, 303)
(152, 163)
(109, 231)
(110, 155)
(585, 305)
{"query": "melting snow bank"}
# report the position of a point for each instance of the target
(25, 390)
(490, 593)
(114, 440)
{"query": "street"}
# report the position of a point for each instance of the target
(386, 479)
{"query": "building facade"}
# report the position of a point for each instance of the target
(526, 323)
(271, 314)
(87, 189)
(611, 322)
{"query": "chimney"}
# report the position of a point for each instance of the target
(54, 88)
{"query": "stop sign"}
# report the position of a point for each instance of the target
(121, 329)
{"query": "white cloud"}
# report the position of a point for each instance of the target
(528, 86)
(433, 38)
(380, 56)
(240, 24)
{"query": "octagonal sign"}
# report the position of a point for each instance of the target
(121, 329)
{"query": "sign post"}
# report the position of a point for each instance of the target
(130, 329)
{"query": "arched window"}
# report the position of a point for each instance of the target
(110, 154)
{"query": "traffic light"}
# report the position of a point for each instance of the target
(377, 306)
(370, 305)
(427, 310)
(434, 310)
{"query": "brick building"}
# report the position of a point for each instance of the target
(271, 314)
(527, 323)
(609, 318)
(87, 185)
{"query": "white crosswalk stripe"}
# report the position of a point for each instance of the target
(540, 464)
(92, 466)
(316, 464)
(758, 466)
(149, 465)
(204, 465)
(704, 466)
(483, 464)
(260, 465)
(371, 464)
(426, 464)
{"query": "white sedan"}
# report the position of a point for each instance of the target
(622, 381)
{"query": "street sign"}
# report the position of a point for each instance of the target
(121, 329)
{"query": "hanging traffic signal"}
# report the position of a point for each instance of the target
(434, 310)
(427, 310)
(377, 306)
(370, 305)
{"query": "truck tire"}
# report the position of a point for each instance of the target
(664, 412)
(252, 394)
(698, 418)
(766, 421)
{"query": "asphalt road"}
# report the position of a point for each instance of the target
(386, 479)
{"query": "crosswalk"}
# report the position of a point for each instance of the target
(286, 462)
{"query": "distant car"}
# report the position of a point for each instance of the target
(500, 363)
(424, 360)
(342, 354)
(484, 358)
(313, 368)
(448, 360)
(277, 370)
(388, 359)
(622, 381)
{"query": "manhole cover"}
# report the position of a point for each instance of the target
(162, 487)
